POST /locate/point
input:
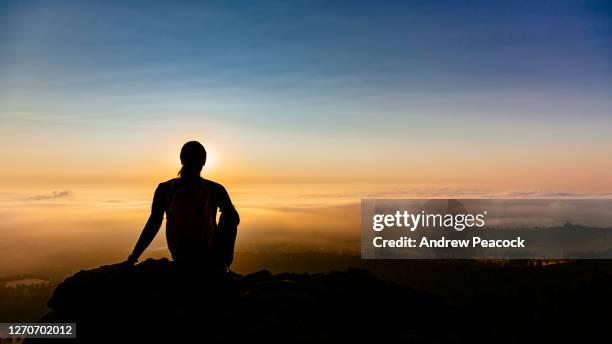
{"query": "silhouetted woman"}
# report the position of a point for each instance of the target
(191, 202)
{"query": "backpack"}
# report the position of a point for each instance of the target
(190, 220)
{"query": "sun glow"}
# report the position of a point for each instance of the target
(211, 159)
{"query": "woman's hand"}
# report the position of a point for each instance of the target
(129, 262)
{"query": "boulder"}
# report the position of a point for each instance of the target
(154, 300)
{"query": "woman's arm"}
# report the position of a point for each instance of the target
(151, 228)
(228, 228)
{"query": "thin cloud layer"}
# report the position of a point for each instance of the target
(53, 195)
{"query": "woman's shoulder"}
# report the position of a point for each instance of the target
(169, 181)
(212, 184)
(167, 184)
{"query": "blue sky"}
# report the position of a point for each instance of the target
(309, 51)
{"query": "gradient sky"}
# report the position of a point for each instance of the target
(502, 94)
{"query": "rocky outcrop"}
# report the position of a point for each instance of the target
(154, 300)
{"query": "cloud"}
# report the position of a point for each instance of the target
(555, 194)
(53, 195)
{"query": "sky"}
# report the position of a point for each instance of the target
(510, 94)
(356, 98)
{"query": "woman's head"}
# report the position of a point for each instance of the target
(193, 158)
